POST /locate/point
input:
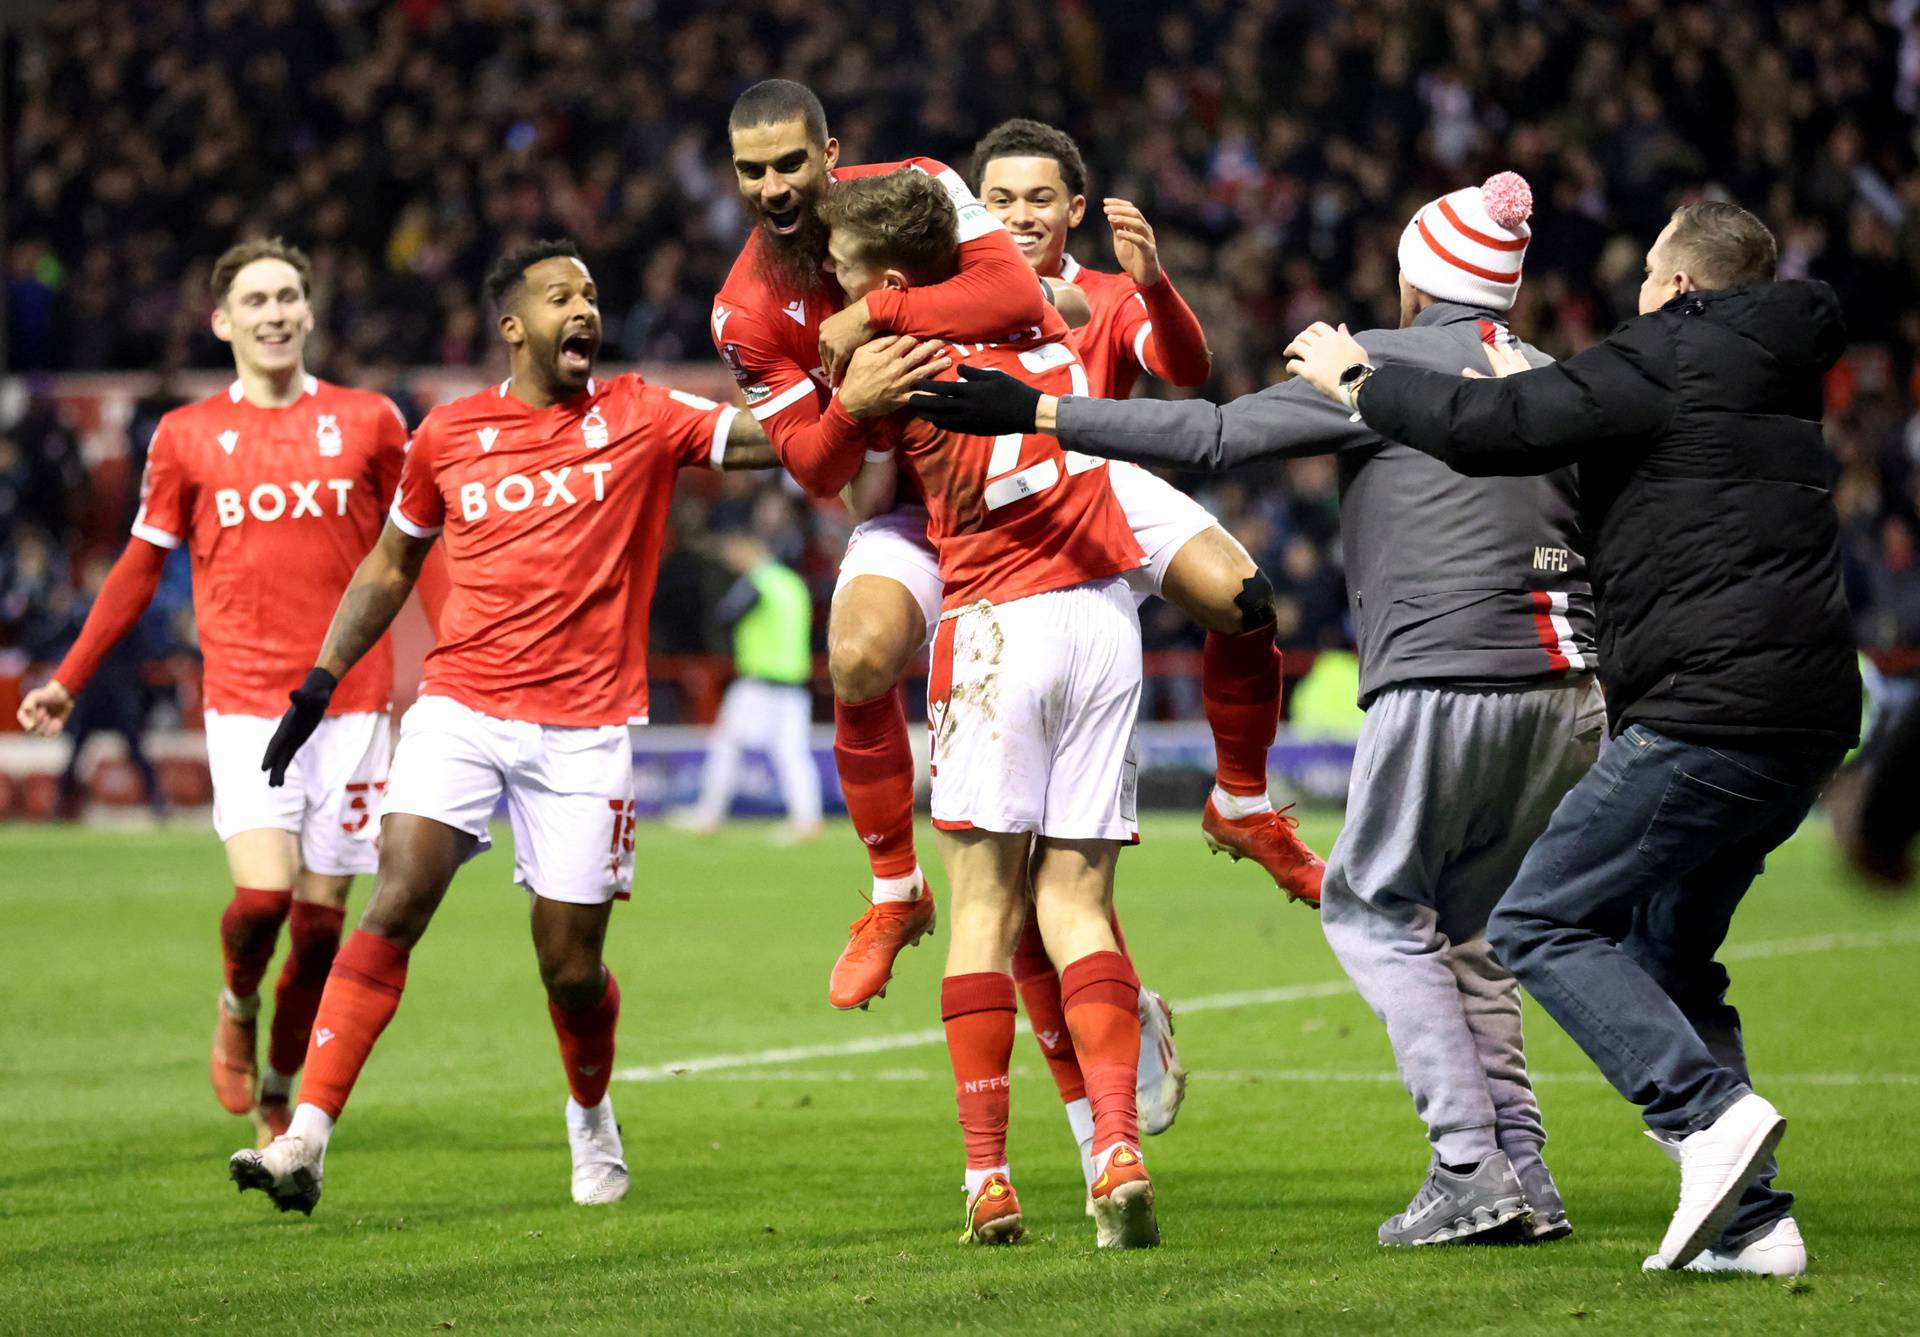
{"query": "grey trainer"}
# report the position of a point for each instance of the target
(1452, 1206)
(1549, 1220)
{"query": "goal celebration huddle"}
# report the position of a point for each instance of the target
(1565, 781)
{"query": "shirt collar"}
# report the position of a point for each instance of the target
(309, 385)
(1069, 268)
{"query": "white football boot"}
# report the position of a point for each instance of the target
(599, 1161)
(1162, 1082)
(288, 1169)
(1772, 1251)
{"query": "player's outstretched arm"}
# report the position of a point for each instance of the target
(373, 599)
(123, 597)
(748, 446)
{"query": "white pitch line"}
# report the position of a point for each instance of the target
(1288, 993)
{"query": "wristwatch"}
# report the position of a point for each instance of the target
(1350, 382)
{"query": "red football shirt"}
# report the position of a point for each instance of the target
(276, 506)
(1016, 515)
(768, 333)
(552, 521)
(1112, 343)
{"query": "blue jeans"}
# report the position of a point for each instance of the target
(1614, 918)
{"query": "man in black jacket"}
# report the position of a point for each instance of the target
(1728, 663)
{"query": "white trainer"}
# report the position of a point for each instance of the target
(599, 1161)
(1716, 1166)
(288, 1170)
(1775, 1251)
(1162, 1083)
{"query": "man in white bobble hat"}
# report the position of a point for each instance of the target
(1474, 621)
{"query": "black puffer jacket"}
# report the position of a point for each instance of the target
(1715, 555)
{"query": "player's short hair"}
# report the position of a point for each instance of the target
(1022, 138)
(1722, 245)
(512, 266)
(241, 254)
(777, 101)
(903, 220)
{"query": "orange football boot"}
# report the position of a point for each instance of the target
(1122, 1199)
(993, 1214)
(875, 938)
(1268, 839)
(236, 1073)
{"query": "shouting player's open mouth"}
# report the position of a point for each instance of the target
(785, 222)
(577, 350)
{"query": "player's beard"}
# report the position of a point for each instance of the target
(793, 262)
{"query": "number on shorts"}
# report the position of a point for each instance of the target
(358, 796)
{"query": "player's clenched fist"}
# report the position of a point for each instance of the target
(309, 707)
(881, 375)
(44, 710)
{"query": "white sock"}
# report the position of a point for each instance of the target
(312, 1123)
(274, 1084)
(1240, 805)
(240, 1009)
(1080, 1119)
(906, 888)
(975, 1178)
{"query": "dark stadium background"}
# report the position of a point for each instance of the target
(1278, 148)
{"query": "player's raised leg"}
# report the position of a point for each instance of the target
(314, 923)
(263, 862)
(876, 626)
(1213, 580)
(987, 873)
(418, 858)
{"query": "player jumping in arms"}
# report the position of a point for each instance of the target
(776, 327)
(1031, 703)
(551, 490)
(277, 485)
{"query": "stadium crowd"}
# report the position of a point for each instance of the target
(1276, 147)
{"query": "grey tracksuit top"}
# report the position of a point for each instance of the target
(1451, 580)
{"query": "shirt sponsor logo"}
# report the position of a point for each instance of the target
(326, 434)
(1551, 559)
(516, 492)
(268, 502)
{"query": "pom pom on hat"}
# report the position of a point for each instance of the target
(1509, 199)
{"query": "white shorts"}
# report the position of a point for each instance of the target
(1162, 517)
(331, 799)
(895, 547)
(1031, 705)
(569, 793)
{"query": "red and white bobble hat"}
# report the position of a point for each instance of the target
(1468, 246)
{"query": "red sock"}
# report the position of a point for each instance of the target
(362, 994)
(313, 936)
(1101, 995)
(586, 1043)
(978, 1012)
(874, 756)
(248, 931)
(1240, 691)
(1039, 986)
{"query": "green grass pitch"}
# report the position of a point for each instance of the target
(817, 1191)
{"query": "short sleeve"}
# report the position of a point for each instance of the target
(390, 448)
(418, 508)
(695, 428)
(1132, 326)
(164, 505)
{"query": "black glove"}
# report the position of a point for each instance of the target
(309, 707)
(985, 403)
